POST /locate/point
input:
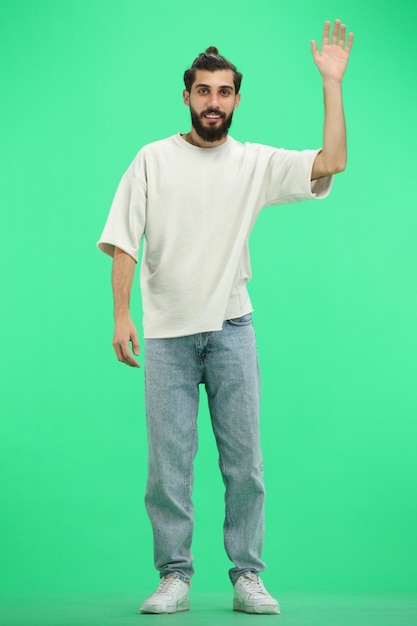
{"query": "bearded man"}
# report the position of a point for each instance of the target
(193, 199)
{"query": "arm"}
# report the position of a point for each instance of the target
(124, 330)
(332, 62)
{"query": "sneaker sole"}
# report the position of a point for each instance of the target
(260, 609)
(171, 608)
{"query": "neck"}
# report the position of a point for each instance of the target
(194, 139)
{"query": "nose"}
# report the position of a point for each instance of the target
(213, 101)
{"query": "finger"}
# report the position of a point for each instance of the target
(130, 361)
(314, 48)
(118, 352)
(118, 348)
(123, 355)
(342, 35)
(336, 31)
(127, 357)
(350, 42)
(326, 31)
(135, 344)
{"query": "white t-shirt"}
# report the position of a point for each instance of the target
(195, 208)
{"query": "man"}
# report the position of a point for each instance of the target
(194, 198)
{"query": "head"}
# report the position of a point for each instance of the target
(212, 87)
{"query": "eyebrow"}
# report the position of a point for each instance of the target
(209, 86)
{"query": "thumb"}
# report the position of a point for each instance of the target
(135, 344)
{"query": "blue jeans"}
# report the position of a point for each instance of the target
(226, 363)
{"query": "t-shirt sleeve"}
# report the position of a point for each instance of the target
(126, 221)
(288, 177)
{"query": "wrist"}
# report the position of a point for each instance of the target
(332, 83)
(121, 314)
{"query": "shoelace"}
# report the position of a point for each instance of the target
(166, 585)
(254, 584)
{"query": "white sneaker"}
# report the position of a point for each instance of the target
(170, 597)
(250, 596)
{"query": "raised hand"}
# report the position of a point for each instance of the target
(334, 55)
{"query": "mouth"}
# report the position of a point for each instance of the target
(212, 116)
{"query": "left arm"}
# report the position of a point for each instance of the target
(332, 62)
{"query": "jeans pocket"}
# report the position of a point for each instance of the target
(245, 320)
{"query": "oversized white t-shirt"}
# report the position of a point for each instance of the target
(195, 208)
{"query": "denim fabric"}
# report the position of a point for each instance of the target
(226, 363)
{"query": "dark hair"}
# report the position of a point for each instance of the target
(212, 61)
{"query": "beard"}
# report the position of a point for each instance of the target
(210, 133)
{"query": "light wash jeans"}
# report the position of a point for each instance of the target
(226, 363)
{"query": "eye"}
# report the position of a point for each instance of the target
(225, 92)
(202, 91)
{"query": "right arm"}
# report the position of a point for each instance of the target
(124, 330)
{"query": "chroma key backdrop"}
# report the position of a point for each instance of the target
(84, 86)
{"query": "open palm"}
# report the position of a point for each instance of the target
(333, 57)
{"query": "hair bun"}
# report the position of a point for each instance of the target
(211, 61)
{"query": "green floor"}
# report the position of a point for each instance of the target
(121, 609)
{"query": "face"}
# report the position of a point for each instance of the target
(212, 101)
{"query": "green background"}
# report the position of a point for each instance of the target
(84, 85)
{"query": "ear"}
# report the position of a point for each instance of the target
(237, 100)
(186, 97)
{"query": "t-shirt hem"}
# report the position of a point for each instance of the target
(175, 334)
(196, 331)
